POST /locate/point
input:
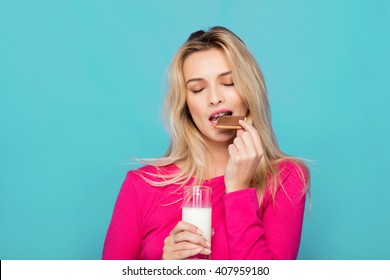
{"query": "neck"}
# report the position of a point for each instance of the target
(217, 158)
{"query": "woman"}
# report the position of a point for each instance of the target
(258, 191)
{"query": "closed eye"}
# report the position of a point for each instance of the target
(229, 85)
(197, 91)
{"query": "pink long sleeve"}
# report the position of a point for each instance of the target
(123, 239)
(144, 216)
(273, 232)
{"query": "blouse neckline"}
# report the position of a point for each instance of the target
(209, 181)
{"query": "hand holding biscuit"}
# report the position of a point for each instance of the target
(245, 154)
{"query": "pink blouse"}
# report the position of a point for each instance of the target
(144, 216)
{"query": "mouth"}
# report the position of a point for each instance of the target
(214, 117)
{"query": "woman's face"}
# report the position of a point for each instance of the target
(210, 91)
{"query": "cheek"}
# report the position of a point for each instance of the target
(240, 102)
(193, 106)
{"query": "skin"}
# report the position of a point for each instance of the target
(234, 154)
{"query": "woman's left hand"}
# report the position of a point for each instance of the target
(244, 156)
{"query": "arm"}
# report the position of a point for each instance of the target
(123, 239)
(274, 236)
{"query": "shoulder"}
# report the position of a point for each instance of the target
(152, 171)
(290, 170)
(293, 177)
(148, 173)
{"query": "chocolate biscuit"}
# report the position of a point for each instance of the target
(229, 122)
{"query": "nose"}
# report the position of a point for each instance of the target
(215, 97)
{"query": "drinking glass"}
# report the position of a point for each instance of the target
(197, 208)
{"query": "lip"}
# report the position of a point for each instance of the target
(219, 111)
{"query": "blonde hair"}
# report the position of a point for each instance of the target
(187, 143)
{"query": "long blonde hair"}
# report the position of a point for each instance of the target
(186, 141)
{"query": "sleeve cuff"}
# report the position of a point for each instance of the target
(246, 199)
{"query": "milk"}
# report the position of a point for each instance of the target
(200, 217)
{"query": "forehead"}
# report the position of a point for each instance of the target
(204, 64)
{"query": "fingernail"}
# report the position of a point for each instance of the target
(208, 244)
(207, 251)
(199, 232)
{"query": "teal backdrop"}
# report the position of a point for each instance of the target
(81, 90)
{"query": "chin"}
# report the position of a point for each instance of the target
(222, 137)
(217, 135)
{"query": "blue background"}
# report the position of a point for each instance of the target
(81, 89)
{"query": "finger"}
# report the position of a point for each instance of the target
(184, 250)
(232, 149)
(185, 246)
(248, 141)
(192, 252)
(184, 226)
(239, 144)
(239, 132)
(253, 150)
(246, 147)
(182, 246)
(186, 236)
(254, 133)
(248, 127)
(183, 254)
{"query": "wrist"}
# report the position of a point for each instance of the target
(232, 187)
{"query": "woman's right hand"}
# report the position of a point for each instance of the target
(184, 241)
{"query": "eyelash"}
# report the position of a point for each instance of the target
(227, 85)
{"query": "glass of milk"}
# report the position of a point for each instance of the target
(197, 208)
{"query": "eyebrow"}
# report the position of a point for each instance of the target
(201, 79)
